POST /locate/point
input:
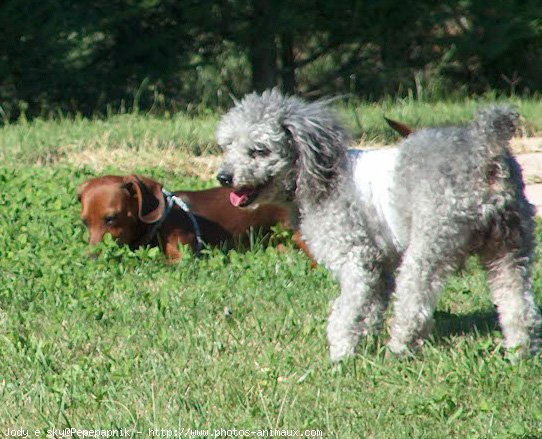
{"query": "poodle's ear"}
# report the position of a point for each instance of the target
(320, 143)
(149, 197)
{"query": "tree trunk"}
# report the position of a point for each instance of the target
(288, 62)
(263, 50)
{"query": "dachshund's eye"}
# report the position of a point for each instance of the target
(260, 151)
(110, 220)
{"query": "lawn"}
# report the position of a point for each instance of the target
(229, 340)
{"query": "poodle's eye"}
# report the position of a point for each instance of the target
(259, 151)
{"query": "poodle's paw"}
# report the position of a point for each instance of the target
(402, 350)
(338, 352)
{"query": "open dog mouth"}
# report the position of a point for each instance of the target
(244, 196)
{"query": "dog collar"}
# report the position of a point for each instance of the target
(172, 199)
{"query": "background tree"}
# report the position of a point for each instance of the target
(94, 55)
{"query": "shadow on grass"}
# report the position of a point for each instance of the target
(448, 325)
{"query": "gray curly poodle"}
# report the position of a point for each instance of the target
(396, 220)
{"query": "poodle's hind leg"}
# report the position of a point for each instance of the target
(509, 278)
(358, 310)
(419, 283)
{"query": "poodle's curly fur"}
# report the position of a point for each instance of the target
(397, 220)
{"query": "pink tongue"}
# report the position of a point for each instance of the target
(239, 197)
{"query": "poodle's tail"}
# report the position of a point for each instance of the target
(497, 124)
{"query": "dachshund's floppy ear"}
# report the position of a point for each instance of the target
(320, 143)
(81, 189)
(148, 193)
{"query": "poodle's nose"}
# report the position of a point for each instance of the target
(225, 178)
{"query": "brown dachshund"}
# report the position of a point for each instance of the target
(136, 211)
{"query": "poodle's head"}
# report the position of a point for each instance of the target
(277, 148)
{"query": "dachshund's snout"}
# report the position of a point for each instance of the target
(225, 178)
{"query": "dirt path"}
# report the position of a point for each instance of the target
(532, 173)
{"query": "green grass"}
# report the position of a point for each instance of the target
(367, 122)
(46, 141)
(50, 141)
(127, 341)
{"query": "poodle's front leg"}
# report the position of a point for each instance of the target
(358, 310)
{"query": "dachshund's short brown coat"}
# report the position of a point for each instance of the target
(127, 207)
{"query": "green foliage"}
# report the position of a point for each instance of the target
(98, 57)
(497, 45)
